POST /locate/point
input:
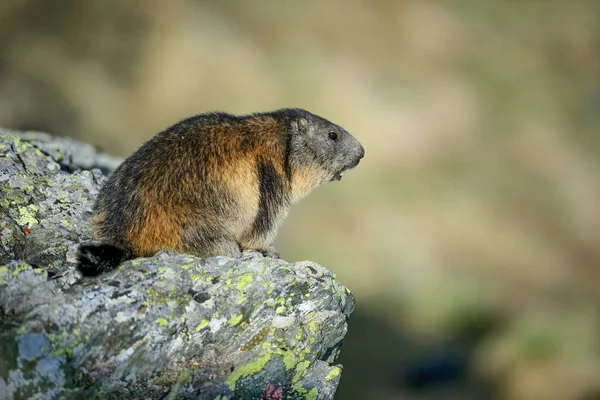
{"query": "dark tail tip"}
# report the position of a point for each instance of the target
(95, 259)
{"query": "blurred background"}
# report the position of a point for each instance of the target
(468, 234)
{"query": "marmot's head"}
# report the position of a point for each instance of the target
(323, 147)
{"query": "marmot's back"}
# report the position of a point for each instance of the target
(218, 184)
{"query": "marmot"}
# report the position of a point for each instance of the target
(215, 184)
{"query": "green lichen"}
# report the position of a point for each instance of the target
(19, 269)
(235, 319)
(167, 294)
(203, 324)
(289, 360)
(301, 368)
(248, 369)
(27, 215)
(280, 310)
(312, 395)
(162, 321)
(40, 271)
(62, 344)
(312, 326)
(334, 372)
(244, 280)
(13, 197)
(3, 271)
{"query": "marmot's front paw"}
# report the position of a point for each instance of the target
(271, 252)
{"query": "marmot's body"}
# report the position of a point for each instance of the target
(215, 184)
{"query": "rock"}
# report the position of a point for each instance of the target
(70, 154)
(45, 199)
(169, 326)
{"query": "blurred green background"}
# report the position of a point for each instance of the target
(468, 234)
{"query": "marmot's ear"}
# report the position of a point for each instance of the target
(301, 125)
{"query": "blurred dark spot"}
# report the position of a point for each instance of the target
(199, 297)
(435, 370)
(123, 293)
(381, 360)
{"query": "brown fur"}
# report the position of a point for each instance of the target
(217, 184)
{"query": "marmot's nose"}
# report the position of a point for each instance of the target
(361, 152)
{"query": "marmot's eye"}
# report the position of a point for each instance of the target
(332, 135)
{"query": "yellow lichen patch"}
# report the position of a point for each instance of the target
(203, 324)
(289, 360)
(334, 372)
(235, 319)
(27, 215)
(248, 369)
(3, 271)
(19, 269)
(244, 280)
(301, 368)
(313, 394)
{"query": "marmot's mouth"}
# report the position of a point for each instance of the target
(338, 176)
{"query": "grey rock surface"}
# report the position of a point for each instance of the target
(45, 197)
(169, 326)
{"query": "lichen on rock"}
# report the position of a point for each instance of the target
(168, 326)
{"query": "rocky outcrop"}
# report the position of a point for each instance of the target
(169, 326)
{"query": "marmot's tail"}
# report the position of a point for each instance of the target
(95, 259)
